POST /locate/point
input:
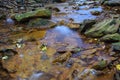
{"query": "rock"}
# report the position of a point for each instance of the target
(41, 23)
(89, 51)
(56, 9)
(59, 1)
(62, 58)
(2, 16)
(111, 2)
(76, 7)
(116, 46)
(87, 24)
(117, 75)
(111, 37)
(7, 56)
(95, 12)
(102, 64)
(88, 74)
(42, 13)
(8, 53)
(83, 56)
(73, 25)
(108, 26)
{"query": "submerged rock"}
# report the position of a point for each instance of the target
(39, 75)
(102, 64)
(42, 13)
(111, 37)
(41, 23)
(109, 26)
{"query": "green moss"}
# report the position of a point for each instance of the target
(38, 13)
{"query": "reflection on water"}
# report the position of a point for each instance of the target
(63, 31)
(63, 35)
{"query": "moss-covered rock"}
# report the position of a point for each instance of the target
(109, 26)
(42, 13)
(116, 46)
(111, 37)
(41, 23)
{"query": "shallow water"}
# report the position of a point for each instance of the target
(78, 16)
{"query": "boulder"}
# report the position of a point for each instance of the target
(116, 46)
(108, 26)
(111, 37)
(41, 23)
(42, 13)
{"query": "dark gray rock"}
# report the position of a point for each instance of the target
(87, 24)
(111, 2)
(116, 46)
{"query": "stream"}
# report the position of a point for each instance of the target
(59, 53)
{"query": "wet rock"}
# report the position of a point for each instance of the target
(9, 65)
(111, 37)
(108, 26)
(88, 74)
(8, 53)
(62, 22)
(42, 13)
(87, 24)
(73, 25)
(62, 58)
(102, 64)
(56, 9)
(2, 16)
(76, 7)
(95, 12)
(117, 75)
(41, 23)
(89, 51)
(59, 1)
(111, 2)
(116, 46)
(83, 56)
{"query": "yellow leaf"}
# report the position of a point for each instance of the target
(118, 67)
